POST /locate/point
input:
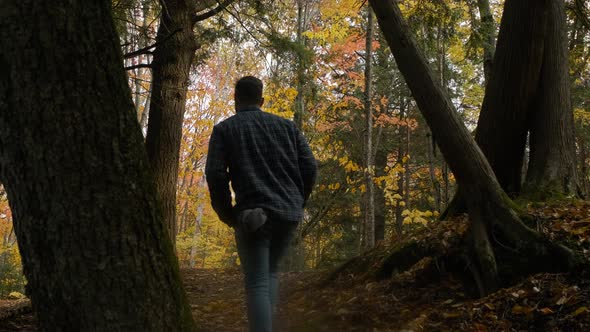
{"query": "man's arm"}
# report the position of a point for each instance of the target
(307, 166)
(218, 177)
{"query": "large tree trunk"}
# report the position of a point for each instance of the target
(528, 90)
(511, 90)
(170, 69)
(552, 166)
(94, 248)
(488, 205)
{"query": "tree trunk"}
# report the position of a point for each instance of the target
(511, 90)
(488, 36)
(583, 161)
(93, 245)
(300, 98)
(170, 69)
(369, 162)
(485, 199)
(198, 222)
(433, 178)
(552, 166)
(380, 206)
(527, 92)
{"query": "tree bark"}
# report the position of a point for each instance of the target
(300, 98)
(170, 69)
(484, 197)
(511, 90)
(488, 36)
(380, 202)
(436, 195)
(369, 162)
(552, 166)
(198, 222)
(93, 245)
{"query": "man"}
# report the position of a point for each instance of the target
(272, 171)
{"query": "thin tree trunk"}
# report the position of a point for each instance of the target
(198, 222)
(583, 160)
(488, 36)
(407, 163)
(369, 162)
(433, 178)
(380, 207)
(94, 250)
(300, 99)
(399, 222)
(143, 121)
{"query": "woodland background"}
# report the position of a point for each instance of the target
(311, 56)
(383, 182)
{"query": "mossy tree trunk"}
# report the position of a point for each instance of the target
(552, 167)
(528, 94)
(94, 248)
(489, 207)
(510, 92)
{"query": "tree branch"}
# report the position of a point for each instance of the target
(141, 65)
(146, 50)
(221, 6)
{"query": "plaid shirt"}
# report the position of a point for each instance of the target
(268, 162)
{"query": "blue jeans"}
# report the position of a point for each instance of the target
(260, 253)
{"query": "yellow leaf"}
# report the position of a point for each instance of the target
(521, 310)
(580, 311)
(16, 296)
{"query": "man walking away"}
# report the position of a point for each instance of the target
(272, 170)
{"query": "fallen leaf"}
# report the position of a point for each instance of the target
(546, 311)
(521, 310)
(580, 311)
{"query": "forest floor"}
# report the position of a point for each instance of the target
(414, 300)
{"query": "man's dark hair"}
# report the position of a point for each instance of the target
(249, 90)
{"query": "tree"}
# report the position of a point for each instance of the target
(530, 50)
(488, 35)
(173, 57)
(368, 148)
(489, 207)
(94, 248)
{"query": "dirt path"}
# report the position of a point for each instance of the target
(544, 302)
(216, 298)
(218, 302)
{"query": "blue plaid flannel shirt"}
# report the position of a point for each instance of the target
(268, 162)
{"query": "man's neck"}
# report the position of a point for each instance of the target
(247, 108)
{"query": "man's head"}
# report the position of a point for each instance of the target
(248, 92)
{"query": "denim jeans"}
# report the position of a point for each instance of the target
(260, 253)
